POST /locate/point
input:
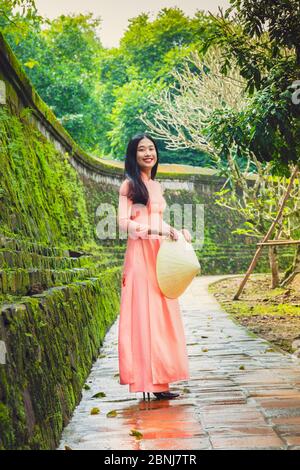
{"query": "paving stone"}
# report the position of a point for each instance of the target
(248, 442)
(286, 420)
(273, 412)
(237, 431)
(176, 444)
(288, 429)
(220, 406)
(278, 392)
(278, 403)
(292, 440)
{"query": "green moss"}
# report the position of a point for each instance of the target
(6, 427)
(51, 346)
(243, 310)
(52, 338)
(42, 194)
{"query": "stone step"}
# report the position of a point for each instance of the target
(27, 246)
(60, 281)
(114, 249)
(17, 244)
(213, 249)
(27, 260)
(29, 281)
(228, 253)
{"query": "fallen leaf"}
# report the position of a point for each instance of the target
(99, 395)
(95, 411)
(111, 414)
(136, 434)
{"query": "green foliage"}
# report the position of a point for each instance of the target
(268, 126)
(263, 39)
(98, 94)
(130, 101)
(150, 50)
(48, 365)
(146, 43)
(42, 196)
(280, 19)
(62, 63)
(17, 17)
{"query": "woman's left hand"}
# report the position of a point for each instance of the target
(186, 235)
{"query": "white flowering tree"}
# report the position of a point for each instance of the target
(188, 116)
(184, 108)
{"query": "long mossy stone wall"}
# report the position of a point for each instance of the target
(59, 289)
(51, 340)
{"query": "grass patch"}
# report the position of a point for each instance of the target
(273, 314)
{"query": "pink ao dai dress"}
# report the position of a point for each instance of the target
(151, 340)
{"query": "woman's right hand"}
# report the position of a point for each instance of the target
(171, 232)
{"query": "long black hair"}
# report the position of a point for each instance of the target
(138, 191)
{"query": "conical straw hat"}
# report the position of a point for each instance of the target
(176, 266)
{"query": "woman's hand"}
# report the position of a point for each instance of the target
(186, 235)
(171, 232)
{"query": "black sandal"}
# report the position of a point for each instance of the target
(166, 395)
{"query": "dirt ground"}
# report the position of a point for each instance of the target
(273, 314)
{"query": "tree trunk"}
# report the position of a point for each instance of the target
(293, 270)
(274, 266)
(268, 234)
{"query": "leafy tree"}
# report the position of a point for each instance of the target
(149, 53)
(62, 62)
(130, 101)
(17, 17)
(254, 34)
(280, 19)
(186, 114)
(145, 43)
(99, 94)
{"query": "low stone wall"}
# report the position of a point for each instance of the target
(51, 341)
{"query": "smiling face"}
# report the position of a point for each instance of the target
(146, 156)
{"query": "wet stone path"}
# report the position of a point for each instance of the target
(241, 393)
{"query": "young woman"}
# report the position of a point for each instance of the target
(152, 348)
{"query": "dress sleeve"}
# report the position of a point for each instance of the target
(134, 229)
(164, 224)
